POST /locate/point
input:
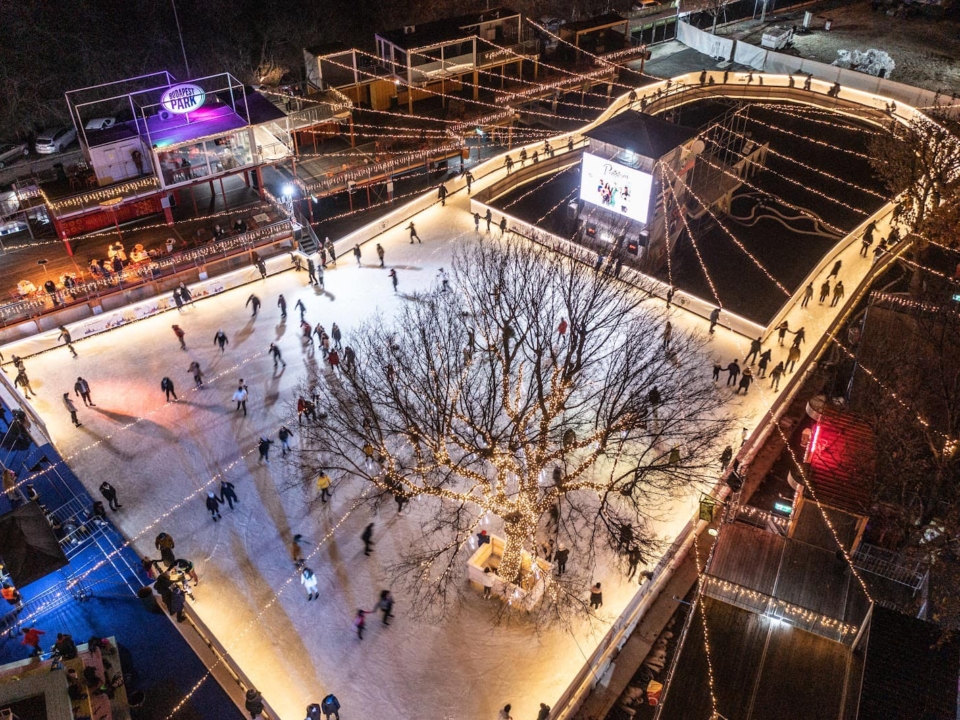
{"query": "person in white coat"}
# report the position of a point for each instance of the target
(309, 581)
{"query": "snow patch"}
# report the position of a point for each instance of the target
(871, 62)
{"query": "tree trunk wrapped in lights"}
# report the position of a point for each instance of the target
(471, 401)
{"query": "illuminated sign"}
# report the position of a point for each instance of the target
(182, 99)
(782, 507)
(616, 187)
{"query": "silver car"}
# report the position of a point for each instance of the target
(12, 152)
(55, 140)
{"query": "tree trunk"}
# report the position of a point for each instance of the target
(511, 563)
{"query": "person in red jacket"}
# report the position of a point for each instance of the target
(31, 638)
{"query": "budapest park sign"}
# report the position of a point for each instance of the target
(181, 99)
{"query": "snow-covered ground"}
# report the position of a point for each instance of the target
(163, 456)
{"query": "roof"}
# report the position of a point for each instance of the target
(842, 459)
(643, 134)
(444, 30)
(906, 677)
(331, 48)
(594, 23)
(28, 547)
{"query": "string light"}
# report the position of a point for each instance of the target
(111, 193)
(806, 138)
(832, 124)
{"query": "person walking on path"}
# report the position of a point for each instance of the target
(792, 358)
(277, 357)
(714, 319)
(110, 495)
(413, 233)
(667, 334)
(824, 291)
(240, 397)
(393, 278)
(166, 384)
(380, 254)
(311, 271)
(282, 304)
(181, 335)
(755, 347)
(213, 505)
(765, 357)
(837, 293)
(194, 370)
(745, 381)
(332, 251)
(734, 372)
(385, 605)
(336, 335)
(330, 706)
(309, 581)
(221, 339)
(284, 434)
(228, 493)
(323, 485)
(799, 337)
(302, 308)
(442, 194)
(264, 448)
(360, 622)
(782, 330)
(367, 537)
(31, 639)
(256, 304)
(807, 295)
(489, 218)
(835, 270)
(776, 374)
(67, 340)
(72, 409)
(596, 597)
(561, 557)
(82, 388)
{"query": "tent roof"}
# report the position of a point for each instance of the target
(28, 547)
(643, 134)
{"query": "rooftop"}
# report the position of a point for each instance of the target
(600, 21)
(842, 461)
(445, 30)
(643, 134)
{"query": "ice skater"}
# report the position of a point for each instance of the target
(755, 348)
(837, 293)
(336, 335)
(807, 295)
(309, 581)
(330, 249)
(178, 301)
(256, 304)
(110, 495)
(765, 357)
(442, 195)
(667, 334)
(302, 308)
(356, 254)
(734, 372)
(367, 538)
(282, 304)
(264, 448)
(82, 388)
(386, 606)
(284, 434)
(166, 384)
(488, 216)
(714, 319)
(67, 340)
(72, 409)
(311, 271)
(380, 253)
(185, 294)
(31, 639)
(221, 339)
(393, 278)
(792, 358)
(596, 597)
(194, 370)
(181, 335)
(262, 267)
(360, 622)
(776, 374)
(330, 706)
(323, 485)
(228, 494)
(444, 280)
(413, 233)
(277, 357)
(240, 398)
(213, 505)
(824, 291)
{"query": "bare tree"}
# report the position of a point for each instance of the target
(472, 400)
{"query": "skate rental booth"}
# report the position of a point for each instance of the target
(146, 136)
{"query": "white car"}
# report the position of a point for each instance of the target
(55, 140)
(12, 152)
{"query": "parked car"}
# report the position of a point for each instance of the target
(11, 152)
(101, 123)
(54, 140)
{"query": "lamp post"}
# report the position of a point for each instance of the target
(183, 49)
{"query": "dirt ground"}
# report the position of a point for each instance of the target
(926, 50)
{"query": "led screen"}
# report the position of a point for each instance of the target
(616, 187)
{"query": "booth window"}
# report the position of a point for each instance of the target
(211, 157)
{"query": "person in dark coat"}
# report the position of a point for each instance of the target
(282, 304)
(442, 194)
(82, 388)
(596, 597)
(213, 505)
(178, 300)
(765, 358)
(386, 606)
(167, 386)
(228, 494)
(367, 538)
(221, 339)
(264, 448)
(734, 372)
(253, 703)
(110, 495)
(824, 291)
(835, 270)
(560, 558)
(356, 254)
(330, 706)
(714, 319)
(755, 348)
(311, 272)
(256, 304)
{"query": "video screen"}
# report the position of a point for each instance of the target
(616, 187)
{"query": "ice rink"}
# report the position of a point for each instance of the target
(162, 457)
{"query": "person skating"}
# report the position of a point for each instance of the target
(367, 537)
(240, 398)
(194, 370)
(323, 485)
(311, 271)
(476, 222)
(807, 295)
(284, 434)
(262, 268)
(264, 448)
(309, 581)
(181, 336)
(67, 340)
(186, 294)
(31, 639)
(305, 407)
(725, 457)
(356, 254)
(228, 493)
(333, 357)
(393, 278)
(330, 706)
(360, 622)
(561, 557)
(277, 357)
(503, 225)
(835, 270)
(178, 301)
(253, 703)
(110, 495)
(320, 278)
(792, 357)
(256, 304)
(442, 195)
(824, 291)
(799, 337)
(667, 334)
(444, 280)
(755, 347)
(302, 308)
(82, 388)
(782, 330)
(596, 597)
(734, 372)
(488, 216)
(837, 293)
(544, 712)
(714, 319)
(413, 233)
(505, 713)
(282, 304)
(335, 334)
(331, 250)
(21, 380)
(166, 384)
(221, 339)
(765, 357)
(213, 505)
(72, 409)
(385, 605)
(745, 381)
(380, 253)
(469, 179)
(776, 374)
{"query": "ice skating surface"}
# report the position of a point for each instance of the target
(162, 456)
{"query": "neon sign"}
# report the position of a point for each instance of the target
(181, 99)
